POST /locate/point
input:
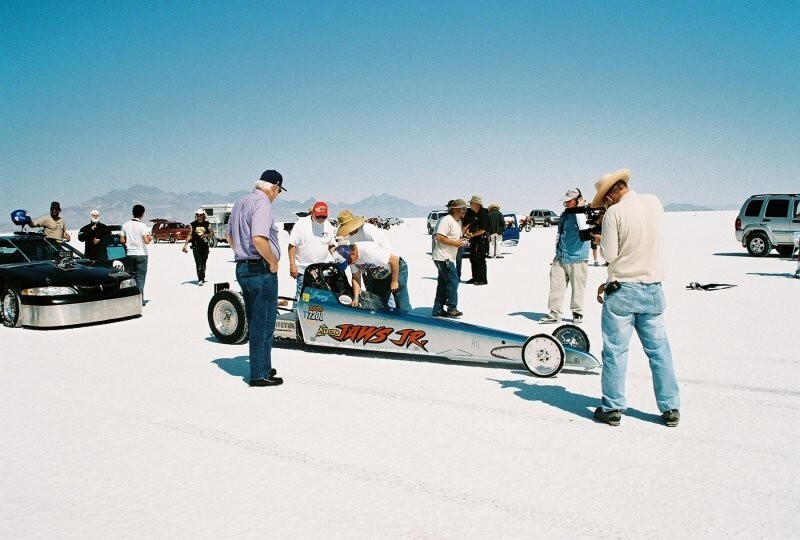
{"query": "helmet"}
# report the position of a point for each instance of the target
(21, 217)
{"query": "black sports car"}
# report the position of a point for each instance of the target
(47, 284)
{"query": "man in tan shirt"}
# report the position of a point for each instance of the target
(54, 227)
(631, 244)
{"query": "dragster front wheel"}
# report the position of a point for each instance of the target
(573, 336)
(227, 317)
(543, 355)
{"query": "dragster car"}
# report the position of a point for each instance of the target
(323, 316)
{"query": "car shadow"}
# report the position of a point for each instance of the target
(559, 397)
(745, 254)
(772, 274)
(532, 315)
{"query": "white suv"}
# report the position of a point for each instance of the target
(433, 217)
(767, 221)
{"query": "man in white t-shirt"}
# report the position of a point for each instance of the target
(312, 240)
(446, 242)
(371, 257)
(135, 235)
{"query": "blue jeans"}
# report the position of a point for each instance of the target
(136, 266)
(637, 306)
(300, 278)
(382, 287)
(260, 292)
(446, 287)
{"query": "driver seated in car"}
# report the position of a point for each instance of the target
(376, 259)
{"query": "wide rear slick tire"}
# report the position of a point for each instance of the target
(543, 355)
(227, 317)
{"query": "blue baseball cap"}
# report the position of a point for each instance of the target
(342, 257)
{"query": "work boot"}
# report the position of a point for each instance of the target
(612, 418)
(672, 417)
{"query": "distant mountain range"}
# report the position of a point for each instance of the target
(685, 207)
(115, 206)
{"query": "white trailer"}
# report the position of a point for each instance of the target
(218, 216)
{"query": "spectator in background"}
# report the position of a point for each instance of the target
(92, 234)
(135, 235)
(570, 264)
(53, 225)
(478, 241)
(311, 241)
(497, 224)
(446, 243)
(200, 233)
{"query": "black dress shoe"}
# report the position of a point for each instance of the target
(481, 283)
(272, 381)
(470, 281)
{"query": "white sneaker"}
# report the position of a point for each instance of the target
(549, 320)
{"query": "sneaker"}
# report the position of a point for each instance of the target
(201, 282)
(596, 263)
(454, 313)
(481, 283)
(672, 417)
(612, 418)
(272, 381)
(797, 273)
(470, 281)
(549, 320)
(577, 318)
(499, 257)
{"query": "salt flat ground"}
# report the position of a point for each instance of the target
(146, 428)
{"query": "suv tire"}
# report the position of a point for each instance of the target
(784, 250)
(758, 244)
(171, 238)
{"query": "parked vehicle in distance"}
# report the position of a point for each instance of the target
(46, 284)
(769, 221)
(433, 217)
(218, 216)
(543, 217)
(169, 231)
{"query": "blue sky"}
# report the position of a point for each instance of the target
(514, 101)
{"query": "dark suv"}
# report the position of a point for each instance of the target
(169, 231)
(769, 221)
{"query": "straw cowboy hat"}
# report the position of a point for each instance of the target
(348, 222)
(606, 182)
(476, 200)
(494, 206)
(457, 203)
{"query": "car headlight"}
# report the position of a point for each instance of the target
(127, 283)
(49, 291)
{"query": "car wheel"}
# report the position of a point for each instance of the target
(155, 239)
(785, 251)
(571, 335)
(758, 244)
(172, 239)
(227, 317)
(543, 355)
(212, 242)
(546, 223)
(10, 311)
(528, 227)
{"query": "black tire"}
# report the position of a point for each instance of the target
(546, 223)
(758, 244)
(10, 309)
(528, 226)
(172, 239)
(572, 336)
(155, 239)
(212, 242)
(784, 250)
(543, 355)
(227, 318)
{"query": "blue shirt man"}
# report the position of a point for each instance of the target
(254, 237)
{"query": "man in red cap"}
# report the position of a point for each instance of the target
(311, 241)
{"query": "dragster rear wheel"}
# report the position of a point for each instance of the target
(572, 336)
(543, 355)
(227, 317)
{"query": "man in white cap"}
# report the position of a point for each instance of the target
(631, 243)
(311, 241)
(92, 234)
(570, 264)
(201, 232)
(476, 223)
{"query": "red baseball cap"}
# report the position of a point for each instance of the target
(320, 209)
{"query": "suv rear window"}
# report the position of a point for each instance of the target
(777, 208)
(754, 208)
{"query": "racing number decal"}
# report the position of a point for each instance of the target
(315, 313)
(375, 334)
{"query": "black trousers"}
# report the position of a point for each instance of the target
(200, 253)
(478, 249)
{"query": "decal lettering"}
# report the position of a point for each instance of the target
(357, 333)
(315, 313)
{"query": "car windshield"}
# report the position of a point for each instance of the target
(41, 249)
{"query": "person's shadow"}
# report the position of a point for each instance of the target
(531, 315)
(238, 366)
(561, 398)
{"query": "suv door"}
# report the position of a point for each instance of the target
(777, 218)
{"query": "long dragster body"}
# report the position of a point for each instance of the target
(321, 318)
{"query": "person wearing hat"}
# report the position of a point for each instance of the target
(311, 241)
(497, 225)
(201, 232)
(476, 224)
(631, 243)
(356, 229)
(92, 234)
(570, 265)
(371, 256)
(446, 243)
(253, 235)
(53, 225)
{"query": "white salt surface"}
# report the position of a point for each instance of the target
(146, 428)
